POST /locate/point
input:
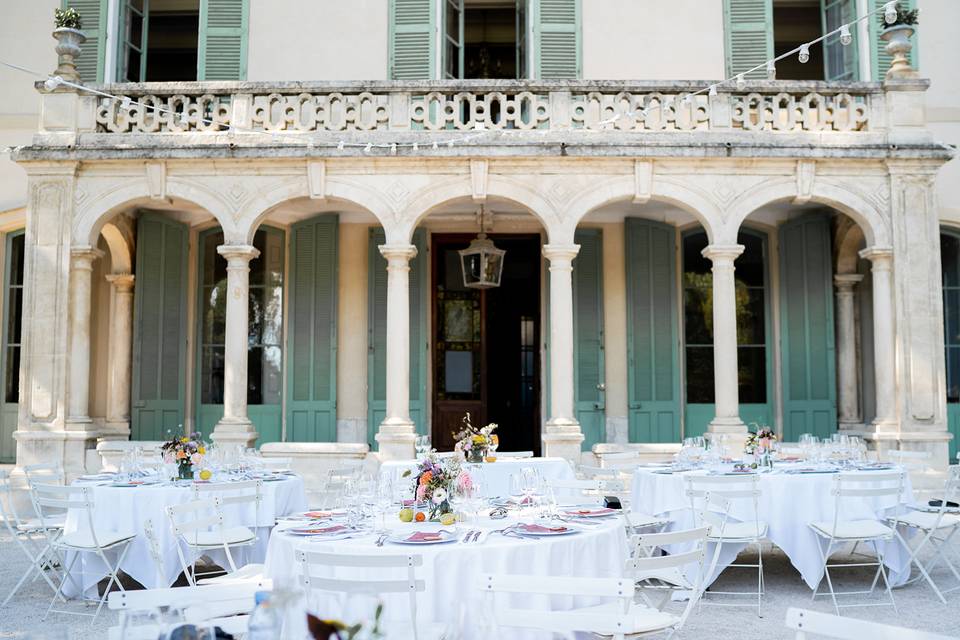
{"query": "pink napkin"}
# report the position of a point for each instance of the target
(536, 528)
(589, 512)
(425, 536)
(317, 514)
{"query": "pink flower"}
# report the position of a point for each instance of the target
(465, 482)
(196, 458)
(421, 492)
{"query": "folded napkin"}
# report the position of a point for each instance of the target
(587, 512)
(521, 499)
(538, 528)
(425, 536)
(316, 514)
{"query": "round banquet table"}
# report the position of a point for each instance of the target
(451, 571)
(129, 508)
(788, 502)
(494, 476)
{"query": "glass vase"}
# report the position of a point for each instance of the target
(185, 471)
(476, 454)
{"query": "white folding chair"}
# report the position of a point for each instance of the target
(29, 537)
(277, 464)
(751, 531)
(199, 526)
(225, 606)
(839, 531)
(911, 460)
(813, 624)
(88, 538)
(318, 574)
(619, 618)
(938, 527)
(45, 472)
(655, 570)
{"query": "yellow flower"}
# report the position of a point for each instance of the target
(202, 450)
(184, 439)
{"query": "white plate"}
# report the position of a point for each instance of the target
(519, 530)
(403, 539)
(587, 512)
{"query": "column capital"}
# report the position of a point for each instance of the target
(122, 282)
(83, 257)
(560, 252)
(238, 253)
(845, 282)
(720, 253)
(880, 256)
(398, 252)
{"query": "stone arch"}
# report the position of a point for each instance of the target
(429, 199)
(871, 221)
(690, 199)
(256, 210)
(121, 248)
(91, 218)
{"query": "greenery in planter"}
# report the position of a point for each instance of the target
(67, 19)
(904, 17)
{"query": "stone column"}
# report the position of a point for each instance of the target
(848, 401)
(725, 372)
(235, 427)
(397, 431)
(884, 339)
(78, 391)
(117, 424)
(561, 435)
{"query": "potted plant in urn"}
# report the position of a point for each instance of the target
(69, 37)
(897, 36)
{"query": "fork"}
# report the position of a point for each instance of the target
(382, 539)
(466, 537)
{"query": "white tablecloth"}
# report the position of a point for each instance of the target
(787, 503)
(451, 570)
(119, 508)
(494, 476)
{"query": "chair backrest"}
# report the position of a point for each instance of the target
(810, 624)
(8, 503)
(705, 493)
(599, 473)
(514, 454)
(911, 460)
(230, 494)
(871, 484)
(53, 500)
(195, 517)
(45, 472)
(602, 622)
(565, 490)
(316, 569)
(621, 460)
(153, 546)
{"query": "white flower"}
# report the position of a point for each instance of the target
(439, 495)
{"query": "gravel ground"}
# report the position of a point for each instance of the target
(918, 607)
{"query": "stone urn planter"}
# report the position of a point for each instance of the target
(68, 49)
(899, 45)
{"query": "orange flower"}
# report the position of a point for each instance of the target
(426, 477)
(181, 455)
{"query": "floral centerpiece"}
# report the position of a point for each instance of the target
(436, 480)
(760, 441)
(474, 442)
(186, 452)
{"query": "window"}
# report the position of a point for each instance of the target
(14, 312)
(950, 264)
(795, 23)
(158, 40)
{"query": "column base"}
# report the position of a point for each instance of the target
(727, 425)
(233, 431)
(396, 438)
(115, 430)
(562, 438)
(68, 447)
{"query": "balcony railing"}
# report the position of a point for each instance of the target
(774, 106)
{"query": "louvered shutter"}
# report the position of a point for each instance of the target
(413, 39)
(93, 14)
(222, 48)
(806, 325)
(312, 333)
(588, 336)
(880, 59)
(377, 334)
(749, 35)
(557, 33)
(652, 372)
(159, 333)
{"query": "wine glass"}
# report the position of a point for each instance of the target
(492, 447)
(529, 483)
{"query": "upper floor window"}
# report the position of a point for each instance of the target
(158, 40)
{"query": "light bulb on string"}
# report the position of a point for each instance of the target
(52, 82)
(772, 69)
(184, 118)
(393, 149)
(340, 146)
(741, 83)
(126, 103)
(890, 12)
(450, 144)
(713, 91)
(845, 37)
(804, 55)
(435, 146)
(416, 147)
(368, 148)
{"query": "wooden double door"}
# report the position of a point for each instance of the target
(486, 356)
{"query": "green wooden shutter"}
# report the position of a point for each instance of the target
(160, 328)
(879, 58)
(222, 46)
(749, 35)
(93, 14)
(558, 41)
(652, 372)
(588, 336)
(806, 321)
(413, 39)
(377, 334)
(312, 333)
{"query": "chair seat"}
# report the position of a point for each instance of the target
(35, 524)
(670, 575)
(246, 573)
(85, 539)
(926, 520)
(216, 538)
(852, 529)
(636, 519)
(739, 531)
(642, 619)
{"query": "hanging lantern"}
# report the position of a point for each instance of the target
(482, 262)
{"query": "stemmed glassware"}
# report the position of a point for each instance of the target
(422, 445)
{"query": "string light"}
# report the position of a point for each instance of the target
(772, 68)
(804, 56)
(52, 83)
(435, 147)
(713, 91)
(340, 146)
(393, 149)
(415, 147)
(741, 83)
(845, 37)
(126, 103)
(368, 148)
(890, 12)
(184, 118)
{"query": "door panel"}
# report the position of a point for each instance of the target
(10, 356)
(159, 332)
(588, 354)
(652, 336)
